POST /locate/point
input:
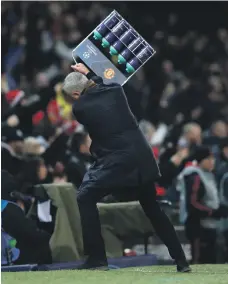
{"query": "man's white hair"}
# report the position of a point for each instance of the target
(74, 82)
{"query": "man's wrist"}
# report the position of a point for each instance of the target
(89, 75)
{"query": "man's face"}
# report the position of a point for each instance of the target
(70, 98)
(42, 171)
(195, 135)
(220, 129)
(208, 164)
(75, 95)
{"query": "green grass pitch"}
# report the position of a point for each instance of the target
(201, 274)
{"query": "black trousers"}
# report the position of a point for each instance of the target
(203, 244)
(94, 247)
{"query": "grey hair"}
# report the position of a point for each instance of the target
(74, 82)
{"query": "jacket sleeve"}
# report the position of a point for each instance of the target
(91, 76)
(15, 223)
(196, 191)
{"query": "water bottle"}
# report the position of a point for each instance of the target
(126, 54)
(128, 37)
(100, 32)
(145, 54)
(140, 58)
(108, 39)
(139, 48)
(120, 29)
(133, 65)
(107, 25)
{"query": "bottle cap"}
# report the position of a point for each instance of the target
(121, 59)
(113, 51)
(12, 243)
(129, 68)
(97, 35)
(105, 43)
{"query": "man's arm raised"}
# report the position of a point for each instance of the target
(81, 68)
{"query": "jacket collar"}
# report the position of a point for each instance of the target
(90, 84)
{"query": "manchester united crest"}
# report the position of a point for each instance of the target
(109, 73)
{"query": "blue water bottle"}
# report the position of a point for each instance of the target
(124, 41)
(104, 27)
(139, 59)
(127, 53)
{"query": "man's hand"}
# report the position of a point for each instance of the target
(80, 68)
(178, 158)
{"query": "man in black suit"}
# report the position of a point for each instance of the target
(124, 163)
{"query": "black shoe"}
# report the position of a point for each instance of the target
(93, 266)
(183, 266)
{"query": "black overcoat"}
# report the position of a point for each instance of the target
(123, 156)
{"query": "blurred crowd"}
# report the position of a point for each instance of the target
(180, 98)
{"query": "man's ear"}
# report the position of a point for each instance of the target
(76, 95)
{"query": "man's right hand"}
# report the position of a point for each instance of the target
(81, 68)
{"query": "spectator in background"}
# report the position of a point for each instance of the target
(147, 129)
(171, 167)
(173, 158)
(27, 107)
(78, 158)
(59, 174)
(200, 206)
(32, 242)
(217, 132)
(44, 132)
(56, 150)
(222, 180)
(219, 129)
(33, 147)
(12, 149)
(191, 136)
(34, 172)
(222, 161)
